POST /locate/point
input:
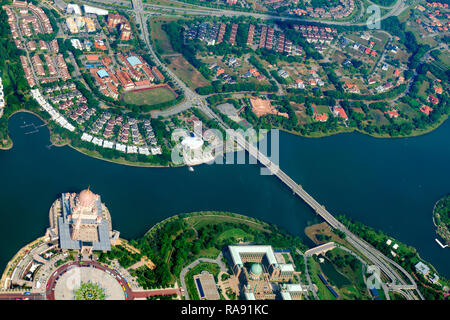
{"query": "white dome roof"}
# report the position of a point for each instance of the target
(192, 142)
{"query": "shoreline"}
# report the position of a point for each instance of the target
(143, 165)
(414, 134)
(256, 222)
(438, 225)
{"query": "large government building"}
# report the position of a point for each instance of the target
(257, 267)
(81, 222)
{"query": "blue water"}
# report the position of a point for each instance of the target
(389, 184)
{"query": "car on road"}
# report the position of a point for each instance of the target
(27, 293)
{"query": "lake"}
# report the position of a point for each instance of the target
(389, 184)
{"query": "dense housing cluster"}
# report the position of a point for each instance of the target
(433, 17)
(43, 64)
(47, 72)
(342, 10)
(131, 72)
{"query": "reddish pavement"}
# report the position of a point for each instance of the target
(51, 284)
(162, 292)
(21, 296)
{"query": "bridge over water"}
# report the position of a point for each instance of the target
(386, 265)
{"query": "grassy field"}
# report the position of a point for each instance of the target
(202, 220)
(236, 234)
(176, 61)
(176, 4)
(425, 85)
(159, 37)
(149, 97)
(356, 290)
(314, 270)
(210, 253)
(187, 72)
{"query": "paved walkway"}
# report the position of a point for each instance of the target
(308, 278)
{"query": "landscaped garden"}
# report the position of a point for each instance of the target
(89, 291)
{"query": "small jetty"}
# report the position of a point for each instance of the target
(440, 243)
(32, 125)
(31, 132)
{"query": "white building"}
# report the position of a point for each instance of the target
(94, 10)
(73, 9)
(422, 268)
(76, 44)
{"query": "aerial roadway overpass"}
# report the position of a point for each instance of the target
(386, 265)
(196, 10)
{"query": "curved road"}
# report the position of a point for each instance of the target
(51, 283)
(384, 263)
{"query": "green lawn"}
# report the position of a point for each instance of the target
(190, 75)
(211, 253)
(356, 289)
(159, 36)
(425, 85)
(149, 97)
(236, 233)
(202, 220)
(314, 270)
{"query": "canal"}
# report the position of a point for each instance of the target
(389, 184)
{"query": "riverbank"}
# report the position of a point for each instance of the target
(96, 155)
(226, 228)
(10, 142)
(441, 218)
(393, 195)
(204, 236)
(406, 256)
(56, 140)
(415, 133)
(7, 273)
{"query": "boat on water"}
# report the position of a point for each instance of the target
(191, 169)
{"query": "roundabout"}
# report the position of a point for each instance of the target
(87, 281)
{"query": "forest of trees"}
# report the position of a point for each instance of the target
(174, 244)
(15, 85)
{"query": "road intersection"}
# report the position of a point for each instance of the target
(391, 269)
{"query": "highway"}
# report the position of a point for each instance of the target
(190, 97)
(395, 10)
(386, 265)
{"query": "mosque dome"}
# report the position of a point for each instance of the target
(87, 198)
(192, 142)
(256, 269)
